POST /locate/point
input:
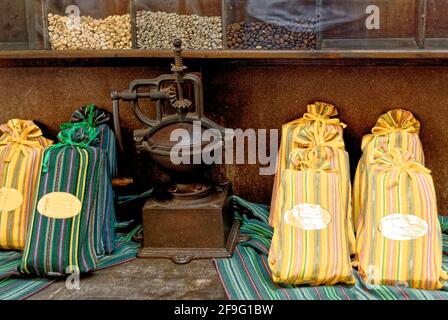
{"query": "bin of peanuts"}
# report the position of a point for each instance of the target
(89, 24)
(270, 25)
(197, 23)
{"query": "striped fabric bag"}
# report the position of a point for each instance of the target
(395, 129)
(328, 147)
(21, 150)
(70, 228)
(99, 119)
(320, 112)
(310, 244)
(399, 240)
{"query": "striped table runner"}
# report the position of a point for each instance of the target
(246, 276)
(16, 287)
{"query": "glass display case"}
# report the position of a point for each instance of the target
(20, 25)
(436, 31)
(88, 24)
(197, 23)
(270, 25)
(224, 24)
(371, 24)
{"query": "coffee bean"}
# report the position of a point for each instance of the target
(298, 34)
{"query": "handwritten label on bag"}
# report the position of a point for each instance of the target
(59, 205)
(402, 227)
(308, 217)
(10, 199)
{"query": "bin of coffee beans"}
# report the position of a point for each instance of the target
(299, 34)
(88, 25)
(156, 30)
(85, 32)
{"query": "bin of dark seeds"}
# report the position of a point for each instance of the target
(270, 25)
(299, 35)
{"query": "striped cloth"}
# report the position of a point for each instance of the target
(16, 287)
(100, 119)
(57, 246)
(328, 147)
(399, 239)
(394, 129)
(21, 151)
(310, 243)
(246, 276)
(320, 112)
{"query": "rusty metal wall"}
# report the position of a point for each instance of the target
(251, 95)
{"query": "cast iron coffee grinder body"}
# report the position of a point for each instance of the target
(188, 219)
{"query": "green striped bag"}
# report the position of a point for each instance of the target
(72, 224)
(106, 140)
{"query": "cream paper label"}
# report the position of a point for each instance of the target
(308, 217)
(10, 199)
(59, 205)
(403, 227)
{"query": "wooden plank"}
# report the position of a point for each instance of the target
(227, 54)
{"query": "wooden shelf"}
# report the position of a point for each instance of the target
(226, 54)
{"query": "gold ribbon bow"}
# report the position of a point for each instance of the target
(322, 112)
(395, 160)
(319, 135)
(396, 120)
(308, 160)
(17, 135)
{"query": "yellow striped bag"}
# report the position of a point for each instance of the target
(399, 241)
(395, 129)
(328, 148)
(21, 150)
(310, 245)
(318, 112)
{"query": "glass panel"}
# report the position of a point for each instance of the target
(88, 24)
(270, 24)
(197, 23)
(436, 24)
(370, 24)
(19, 24)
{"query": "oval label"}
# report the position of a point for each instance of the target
(59, 205)
(10, 199)
(308, 217)
(403, 227)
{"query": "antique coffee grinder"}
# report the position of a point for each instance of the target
(187, 219)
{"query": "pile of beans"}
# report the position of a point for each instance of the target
(296, 35)
(113, 32)
(156, 30)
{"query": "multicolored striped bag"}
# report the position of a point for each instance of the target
(329, 148)
(320, 112)
(310, 244)
(21, 150)
(70, 228)
(399, 240)
(395, 129)
(100, 120)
